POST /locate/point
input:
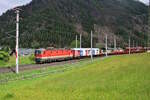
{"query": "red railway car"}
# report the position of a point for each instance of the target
(135, 50)
(43, 55)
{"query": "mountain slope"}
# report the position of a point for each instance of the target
(56, 22)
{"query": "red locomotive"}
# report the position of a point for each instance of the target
(44, 56)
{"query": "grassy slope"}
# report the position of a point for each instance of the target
(115, 78)
(12, 61)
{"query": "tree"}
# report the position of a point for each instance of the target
(73, 44)
(35, 44)
(100, 45)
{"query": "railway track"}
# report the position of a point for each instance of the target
(38, 66)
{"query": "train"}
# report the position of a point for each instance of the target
(52, 55)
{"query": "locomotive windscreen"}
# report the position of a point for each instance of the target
(37, 52)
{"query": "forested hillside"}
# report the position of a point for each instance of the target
(46, 23)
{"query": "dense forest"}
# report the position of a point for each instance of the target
(47, 23)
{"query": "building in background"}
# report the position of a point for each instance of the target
(26, 51)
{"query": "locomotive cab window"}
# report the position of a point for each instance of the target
(37, 52)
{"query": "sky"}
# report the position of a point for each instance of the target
(9, 4)
(145, 1)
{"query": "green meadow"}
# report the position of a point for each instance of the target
(12, 61)
(124, 77)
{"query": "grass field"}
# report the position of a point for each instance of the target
(23, 60)
(113, 78)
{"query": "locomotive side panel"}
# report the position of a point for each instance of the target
(53, 55)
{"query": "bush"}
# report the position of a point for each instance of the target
(4, 56)
(32, 57)
(6, 49)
